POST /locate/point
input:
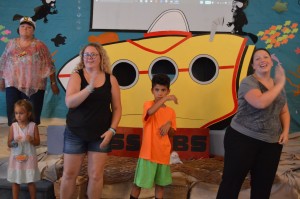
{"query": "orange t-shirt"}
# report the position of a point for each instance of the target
(156, 148)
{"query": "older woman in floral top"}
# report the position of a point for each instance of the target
(24, 67)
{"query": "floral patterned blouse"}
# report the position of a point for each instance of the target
(26, 68)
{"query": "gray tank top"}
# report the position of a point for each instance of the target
(261, 124)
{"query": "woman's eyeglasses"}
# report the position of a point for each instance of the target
(90, 55)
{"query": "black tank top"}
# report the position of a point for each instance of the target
(93, 116)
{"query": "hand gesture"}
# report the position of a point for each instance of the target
(106, 139)
(172, 98)
(284, 138)
(28, 138)
(93, 77)
(279, 75)
(164, 129)
(19, 139)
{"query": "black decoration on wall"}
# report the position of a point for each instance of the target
(240, 19)
(41, 12)
(59, 40)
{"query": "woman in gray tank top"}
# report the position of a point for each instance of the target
(253, 141)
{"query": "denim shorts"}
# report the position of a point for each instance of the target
(73, 144)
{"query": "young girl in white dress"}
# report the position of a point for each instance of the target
(22, 139)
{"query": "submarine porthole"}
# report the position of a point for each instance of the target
(204, 69)
(166, 66)
(126, 73)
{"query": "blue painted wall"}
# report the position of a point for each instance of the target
(73, 19)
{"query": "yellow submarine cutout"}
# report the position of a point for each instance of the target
(205, 71)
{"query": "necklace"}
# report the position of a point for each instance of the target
(22, 47)
(22, 54)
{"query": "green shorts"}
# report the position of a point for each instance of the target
(149, 173)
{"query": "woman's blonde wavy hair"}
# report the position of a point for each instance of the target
(104, 59)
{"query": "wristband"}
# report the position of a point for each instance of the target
(113, 130)
(90, 88)
(13, 144)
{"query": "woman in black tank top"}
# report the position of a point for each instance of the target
(93, 99)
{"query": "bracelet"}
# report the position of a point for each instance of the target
(53, 83)
(90, 88)
(113, 130)
(13, 144)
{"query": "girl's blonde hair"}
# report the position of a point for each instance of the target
(27, 106)
(104, 59)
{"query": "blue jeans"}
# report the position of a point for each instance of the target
(73, 144)
(13, 95)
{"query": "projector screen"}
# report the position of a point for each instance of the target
(140, 15)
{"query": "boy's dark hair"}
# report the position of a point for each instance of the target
(161, 79)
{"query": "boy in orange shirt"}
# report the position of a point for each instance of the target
(159, 122)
